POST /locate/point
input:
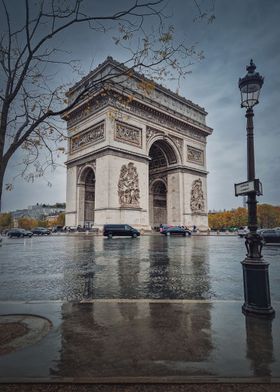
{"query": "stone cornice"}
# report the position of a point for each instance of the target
(107, 150)
(183, 169)
(175, 121)
(160, 108)
(135, 156)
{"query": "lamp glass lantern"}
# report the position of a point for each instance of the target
(250, 87)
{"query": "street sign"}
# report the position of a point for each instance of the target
(243, 188)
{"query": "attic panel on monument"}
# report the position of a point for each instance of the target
(131, 86)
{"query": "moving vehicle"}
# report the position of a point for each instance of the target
(271, 236)
(111, 230)
(175, 230)
(41, 231)
(19, 233)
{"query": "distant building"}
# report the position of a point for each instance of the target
(38, 212)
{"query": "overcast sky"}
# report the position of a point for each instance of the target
(243, 29)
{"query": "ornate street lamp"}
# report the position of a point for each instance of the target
(255, 269)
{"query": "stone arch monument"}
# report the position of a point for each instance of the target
(135, 156)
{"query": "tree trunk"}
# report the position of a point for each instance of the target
(3, 165)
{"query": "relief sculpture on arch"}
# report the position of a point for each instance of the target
(197, 197)
(128, 186)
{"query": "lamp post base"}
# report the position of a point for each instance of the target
(256, 288)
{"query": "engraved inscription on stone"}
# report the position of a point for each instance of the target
(128, 186)
(197, 197)
(195, 155)
(90, 136)
(128, 134)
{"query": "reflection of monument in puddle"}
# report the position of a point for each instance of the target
(134, 339)
(259, 345)
(179, 269)
(128, 268)
(190, 327)
(79, 270)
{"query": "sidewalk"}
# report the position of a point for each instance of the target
(117, 342)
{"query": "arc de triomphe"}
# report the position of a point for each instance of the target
(136, 154)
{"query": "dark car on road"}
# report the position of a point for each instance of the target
(120, 230)
(175, 230)
(270, 236)
(19, 233)
(41, 231)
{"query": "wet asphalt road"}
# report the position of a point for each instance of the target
(75, 268)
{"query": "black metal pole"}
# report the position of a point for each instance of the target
(255, 269)
(255, 248)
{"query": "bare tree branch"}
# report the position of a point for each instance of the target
(30, 105)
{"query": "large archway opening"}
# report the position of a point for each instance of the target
(162, 156)
(87, 197)
(159, 204)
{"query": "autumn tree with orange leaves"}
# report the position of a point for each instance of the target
(268, 217)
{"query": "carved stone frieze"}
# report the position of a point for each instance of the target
(128, 134)
(197, 197)
(88, 137)
(128, 186)
(87, 110)
(195, 155)
(165, 120)
(151, 132)
(179, 143)
(114, 99)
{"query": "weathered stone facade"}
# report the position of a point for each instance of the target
(135, 157)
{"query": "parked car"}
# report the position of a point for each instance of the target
(19, 233)
(175, 230)
(242, 231)
(259, 231)
(120, 230)
(271, 236)
(41, 231)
